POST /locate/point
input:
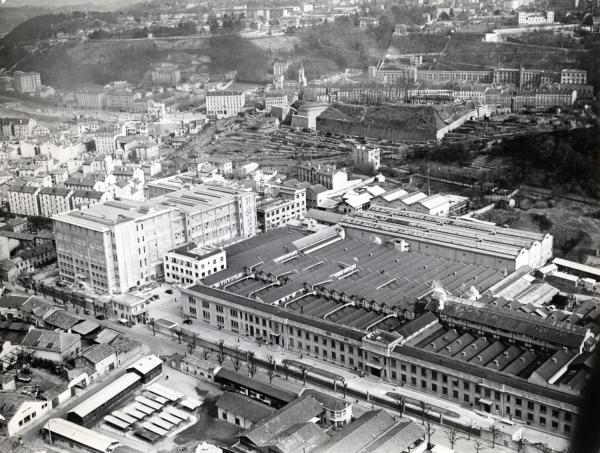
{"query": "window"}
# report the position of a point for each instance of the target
(423, 383)
(206, 315)
(205, 304)
(555, 413)
(192, 310)
(413, 369)
(554, 425)
(445, 391)
(434, 388)
(434, 375)
(542, 409)
(543, 421)
(519, 401)
(530, 405)
(219, 308)
(233, 313)
(466, 385)
(567, 416)
(445, 378)
(455, 394)
(466, 398)
(530, 416)
(567, 428)
(413, 381)
(394, 375)
(518, 413)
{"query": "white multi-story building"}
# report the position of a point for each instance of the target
(114, 246)
(573, 76)
(24, 200)
(191, 263)
(120, 244)
(211, 214)
(27, 82)
(106, 143)
(276, 98)
(90, 100)
(288, 204)
(366, 157)
(527, 18)
(55, 200)
(224, 104)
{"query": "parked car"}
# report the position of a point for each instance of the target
(187, 321)
(22, 378)
(100, 317)
(169, 291)
(155, 297)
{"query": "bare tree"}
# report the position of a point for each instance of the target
(345, 384)
(470, 428)
(452, 436)
(178, 332)
(400, 403)
(521, 443)
(251, 364)
(494, 432)
(235, 359)
(429, 431)
(425, 408)
(205, 354)
(478, 445)
(286, 368)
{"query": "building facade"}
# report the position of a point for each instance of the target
(27, 82)
(24, 200)
(224, 104)
(55, 200)
(190, 263)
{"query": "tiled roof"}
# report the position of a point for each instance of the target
(48, 340)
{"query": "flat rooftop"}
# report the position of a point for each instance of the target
(102, 216)
(199, 198)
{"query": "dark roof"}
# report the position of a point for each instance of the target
(62, 319)
(98, 352)
(399, 438)
(277, 311)
(481, 372)
(358, 434)
(520, 324)
(13, 301)
(243, 406)
(85, 328)
(258, 386)
(328, 401)
(266, 432)
(49, 340)
(58, 191)
(94, 194)
(412, 327)
(23, 189)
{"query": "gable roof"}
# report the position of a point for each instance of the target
(62, 319)
(48, 340)
(98, 352)
(243, 406)
(298, 411)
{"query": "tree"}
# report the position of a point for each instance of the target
(478, 445)
(271, 368)
(429, 431)
(177, 331)
(495, 433)
(235, 359)
(452, 436)
(153, 324)
(345, 384)
(400, 403)
(470, 428)
(221, 352)
(251, 363)
(205, 354)
(425, 409)
(285, 369)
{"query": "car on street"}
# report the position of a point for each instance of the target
(187, 321)
(100, 317)
(169, 291)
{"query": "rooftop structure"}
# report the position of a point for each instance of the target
(61, 430)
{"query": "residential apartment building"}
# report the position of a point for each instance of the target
(24, 200)
(191, 263)
(90, 100)
(326, 175)
(16, 127)
(165, 76)
(116, 245)
(85, 198)
(366, 157)
(276, 98)
(54, 200)
(27, 82)
(535, 18)
(121, 101)
(285, 204)
(224, 104)
(573, 76)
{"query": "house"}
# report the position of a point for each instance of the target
(17, 411)
(240, 410)
(102, 357)
(61, 319)
(35, 309)
(10, 307)
(54, 346)
(14, 331)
